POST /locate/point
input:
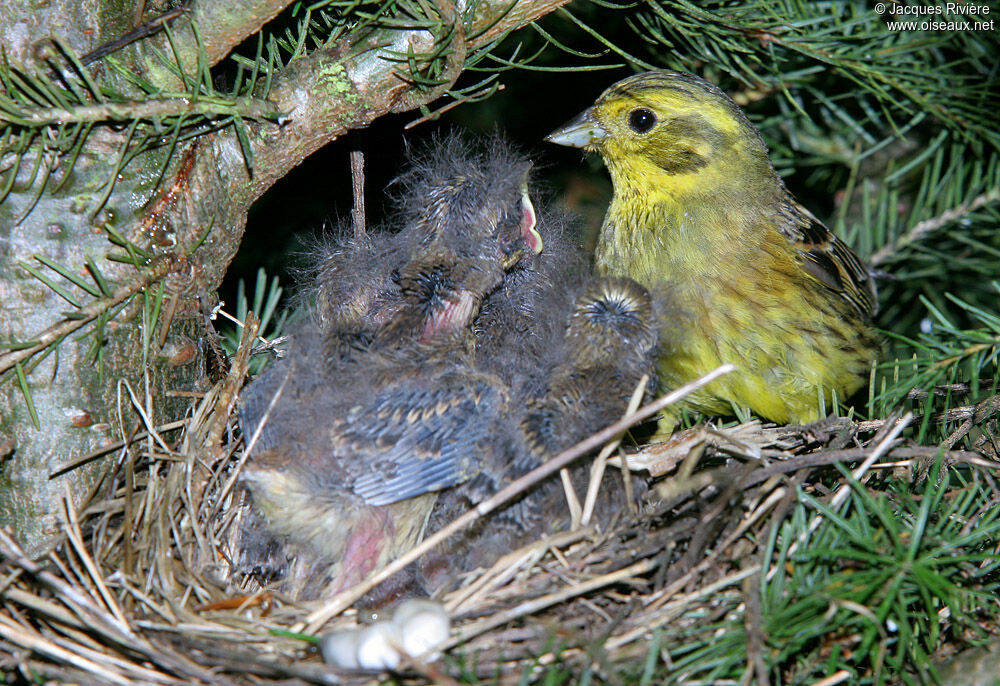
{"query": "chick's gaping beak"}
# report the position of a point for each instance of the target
(582, 131)
(529, 220)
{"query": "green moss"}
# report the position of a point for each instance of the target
(333, 80)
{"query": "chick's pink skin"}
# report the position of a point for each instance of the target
(339, 539)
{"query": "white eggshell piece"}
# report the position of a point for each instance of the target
(340, 648)
(423, 626)
(376, 647)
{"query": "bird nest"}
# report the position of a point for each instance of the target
(139, 587)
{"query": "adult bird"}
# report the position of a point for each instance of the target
(755, 278)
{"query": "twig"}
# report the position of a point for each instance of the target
(87, 314)
(507, 566)
(827, 457)
(837, 677)
(71, 526)
(933, 224)
(342, 601)
(669, 610)
(626, 475)
(753, 621)
(143, 413)
(69, 594)
(572, 500)
(143, 31)
(248, 447)
(659, 599)
(266, 344)
(166, 319)
(358, 184)
(946, 388)
(883, 447)
(15, 635)
(597, 469)
(94, 454)
(532, 606)
(840, 496)
(454, 62)
(233, 382)
(153, 108)
(451, 105)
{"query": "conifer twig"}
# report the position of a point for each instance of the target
(883, 447)
(152, 108)
(933, 224)
(142, 31)
(86, 314)
(358, 186)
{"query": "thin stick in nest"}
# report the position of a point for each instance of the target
(342, 601)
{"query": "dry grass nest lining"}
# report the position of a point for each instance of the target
(138, 586)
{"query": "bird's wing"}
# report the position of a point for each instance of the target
(413, 440)
(830, 261)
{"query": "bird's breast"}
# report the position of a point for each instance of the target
(664, 242)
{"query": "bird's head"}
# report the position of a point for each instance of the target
(613, 320)
(467, 220)
(665, 125)
(476, 203)
(516, 232)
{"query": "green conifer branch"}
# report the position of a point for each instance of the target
(928, 226)
(89, 311)
(162, 108)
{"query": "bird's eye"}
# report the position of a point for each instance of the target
(641, 120)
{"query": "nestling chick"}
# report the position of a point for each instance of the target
(379, 404)
(759, 281)
(522, 323)
(466, 219)
(345, 467)
(605, 348)
(610, 342)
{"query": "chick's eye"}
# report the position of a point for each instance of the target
(641, 120)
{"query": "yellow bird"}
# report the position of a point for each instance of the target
(699, 215)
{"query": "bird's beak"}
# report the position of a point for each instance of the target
(528, 222)
(582, 132)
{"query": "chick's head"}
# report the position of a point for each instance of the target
(464, 220)
(612, 321)
(475, 202)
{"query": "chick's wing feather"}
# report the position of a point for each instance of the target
(413, 440)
